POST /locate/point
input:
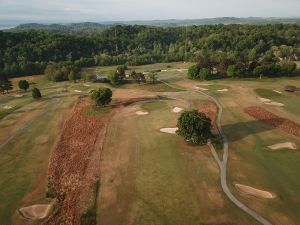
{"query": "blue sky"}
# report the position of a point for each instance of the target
(115, 10)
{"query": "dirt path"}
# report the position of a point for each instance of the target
(223, 163)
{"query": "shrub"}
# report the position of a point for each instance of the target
(36, 93)
(23, 84)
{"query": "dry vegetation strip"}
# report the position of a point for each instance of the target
(267, 117)
(209, 108)
(74, 165)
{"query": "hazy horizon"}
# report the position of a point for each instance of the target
(132, 10)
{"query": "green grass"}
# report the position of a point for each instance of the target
(24, 163)
(153, 106)
(290, 101)
(96, 111)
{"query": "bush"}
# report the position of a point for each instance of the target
(204, 74)
(102, 96)
(193, 72)
(194, 126)
(24, 85)
(36, 93)
(290, 88)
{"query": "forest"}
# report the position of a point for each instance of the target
(234, 49)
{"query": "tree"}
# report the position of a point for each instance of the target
(193, 72)
(233, 71)
(204, 74)
(5, 84)
(194, 126)
(138, 77)
(153, 77)
(24, 85)
(114, 78)
(102, 96)
(73, 75)
(36, 93)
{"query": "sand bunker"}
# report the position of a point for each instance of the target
(274, 104)
(279, 92)
(35, 212)
(201, 89)
(223, 90)
(169, 130)
(141, 113)
(86, 85)
(270, 102)
(7, 107)
(43, 139)
(164, 70)
(78, 91)
(253, 191)
(18, 96)
(177, 109)
(286, 145)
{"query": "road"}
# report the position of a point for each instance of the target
(223, 163)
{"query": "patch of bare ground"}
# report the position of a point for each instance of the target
(210, 109)
(273, 120)
(74, 165)
(254, 191)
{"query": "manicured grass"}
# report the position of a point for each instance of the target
(156, 87)
(24, 161)
(155, 105)
(290, 101)
(93, 110)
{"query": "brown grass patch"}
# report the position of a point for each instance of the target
(269, 118)
(210, 110)
(74, 165)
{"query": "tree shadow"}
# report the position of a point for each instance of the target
(240, 130)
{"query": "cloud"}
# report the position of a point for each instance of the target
(104, 10)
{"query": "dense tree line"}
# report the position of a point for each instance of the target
(218, 46)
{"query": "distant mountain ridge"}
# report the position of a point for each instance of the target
(93, 27)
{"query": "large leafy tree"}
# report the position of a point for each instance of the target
(194, 126)
(102, 96)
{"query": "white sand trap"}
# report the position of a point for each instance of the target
(270, 102)
(253, 191)
(286, 145)
(223, 90)
(35, 212)
(78, 91)
(7, 107)
(18, 96)
(164, 70)
(177, 109)
(274, 104)
(141, 113)
(279, 92)
(169, 130)
(86, 85)
(42, 139)
(201, 89)
(263, 100)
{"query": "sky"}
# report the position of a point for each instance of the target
(125, 10)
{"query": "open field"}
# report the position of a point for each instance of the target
(146, 176)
